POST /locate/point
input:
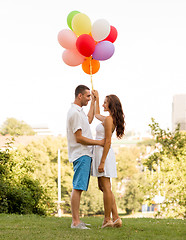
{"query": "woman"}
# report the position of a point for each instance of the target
(104, 163)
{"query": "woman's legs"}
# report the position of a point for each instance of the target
(105, 186)
(114, 209)
(113, 206)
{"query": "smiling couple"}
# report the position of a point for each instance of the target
(93, 156)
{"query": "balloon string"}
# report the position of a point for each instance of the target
(91, 74)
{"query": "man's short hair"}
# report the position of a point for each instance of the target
(80, 89)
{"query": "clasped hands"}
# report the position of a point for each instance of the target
(94, 95)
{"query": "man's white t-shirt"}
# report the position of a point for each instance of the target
(77, 119)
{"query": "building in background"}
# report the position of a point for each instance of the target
(179, 112)
(41, 130)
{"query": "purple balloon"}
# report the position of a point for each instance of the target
(103, 51)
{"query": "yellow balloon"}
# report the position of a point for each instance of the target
(81, 24)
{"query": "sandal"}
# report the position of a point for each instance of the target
(107, 224)
(117, 223)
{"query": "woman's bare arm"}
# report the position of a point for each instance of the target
(97, 111)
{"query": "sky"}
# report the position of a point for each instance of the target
(147, 69)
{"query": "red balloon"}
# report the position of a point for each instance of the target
(85, 45)
(112, 35)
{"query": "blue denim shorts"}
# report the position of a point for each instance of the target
(81, 177)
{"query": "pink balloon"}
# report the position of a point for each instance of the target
(72, 57)
(103, 51)
(67, 39)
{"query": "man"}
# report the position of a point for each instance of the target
(80, 148)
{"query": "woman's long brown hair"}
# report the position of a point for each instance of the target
(117, 114)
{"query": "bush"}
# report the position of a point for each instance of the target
(19, 191)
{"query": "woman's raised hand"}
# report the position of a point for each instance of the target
(95, 93)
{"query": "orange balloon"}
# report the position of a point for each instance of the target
(88, 63)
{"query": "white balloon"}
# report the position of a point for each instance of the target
(100, 29)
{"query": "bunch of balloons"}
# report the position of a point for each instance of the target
(87, 43)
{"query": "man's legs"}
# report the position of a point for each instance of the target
(75, 204)
(80, 183)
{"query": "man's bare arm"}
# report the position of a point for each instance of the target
(87, 141)
(91, 112)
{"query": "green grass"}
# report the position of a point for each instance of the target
(52, 228)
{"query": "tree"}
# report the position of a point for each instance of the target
(130, 178)
(133, 195)
(127, 162)
(44, 153)
(168, 164)
(15, 127)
